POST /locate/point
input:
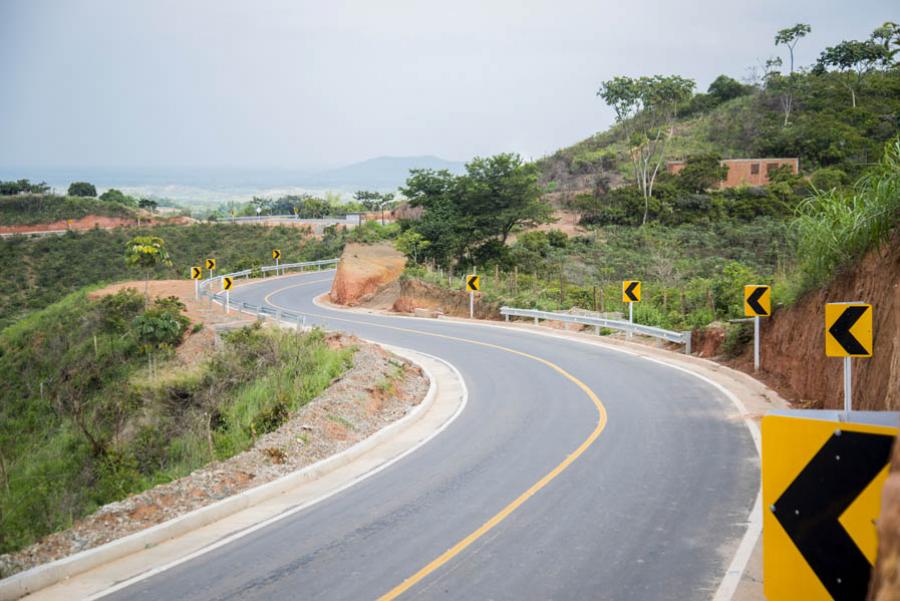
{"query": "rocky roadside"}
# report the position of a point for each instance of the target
(377, 390)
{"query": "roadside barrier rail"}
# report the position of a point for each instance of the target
(600, 322)
(246, 273)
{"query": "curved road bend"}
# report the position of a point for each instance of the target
(651, 509)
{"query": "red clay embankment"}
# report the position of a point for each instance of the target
(793, 340)
(364, 270)
(87, 222)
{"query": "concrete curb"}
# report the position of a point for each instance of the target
(46, 575)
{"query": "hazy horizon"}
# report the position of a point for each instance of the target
(99, 84)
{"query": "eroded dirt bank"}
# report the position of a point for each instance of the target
(793, 340)
(364, 270)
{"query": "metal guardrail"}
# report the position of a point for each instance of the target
(600, 322)
(260, 311)
(246, 273)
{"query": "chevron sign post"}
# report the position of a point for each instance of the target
(757, 303)
(822, 478)
(848, 334)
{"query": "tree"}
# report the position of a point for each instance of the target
(724, 88)
(789, 38)
(370, 200)
(855, 60)
(149, 204)
(499, 193)
(411, 242)
(82, 189)
(473, 214)
(145, 253)
(702, 172)
(888, 37)
(22, 186)
(646, 108)
(113, 195)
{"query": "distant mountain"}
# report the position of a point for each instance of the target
(380, 173)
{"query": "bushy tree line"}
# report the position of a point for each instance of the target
(468, 218)
(22, 186)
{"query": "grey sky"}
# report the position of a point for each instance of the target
(292, 83)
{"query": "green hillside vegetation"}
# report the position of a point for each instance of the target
(693, 245)
(825, 131)
(37, 272)
(31, 209)
(693, 272)
(90, 411)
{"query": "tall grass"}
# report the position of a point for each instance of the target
(835, 228)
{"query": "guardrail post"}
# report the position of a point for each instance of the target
(506, 316)
(597, 330)
(687, 343)
(536, 321)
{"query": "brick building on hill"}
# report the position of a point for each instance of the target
(745, 172)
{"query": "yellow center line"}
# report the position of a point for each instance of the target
(456, 549)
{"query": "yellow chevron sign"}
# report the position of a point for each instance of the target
(196, 273)
(848, 330)
(821, 485)
(227, 283)
(757, 300)
(631, 291)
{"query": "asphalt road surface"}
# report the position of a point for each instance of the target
(657, 481)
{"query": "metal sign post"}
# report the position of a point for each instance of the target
(227, 301)
(196, 289)
(757, 303)
(848, 385)
(756, 343)
(630, 316)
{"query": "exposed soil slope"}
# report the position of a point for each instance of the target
(86, 223)
(415, 294)
(793, 339)
(365, 269)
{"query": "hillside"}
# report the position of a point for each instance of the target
(37, 272)
(103, 395)
(825, 132)
(43, 209)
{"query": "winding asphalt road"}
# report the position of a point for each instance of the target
(658, 479)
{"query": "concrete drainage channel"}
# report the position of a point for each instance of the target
(115, 565)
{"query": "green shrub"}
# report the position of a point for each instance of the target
(836, 227)
(828, 178)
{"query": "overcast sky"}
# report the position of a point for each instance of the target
(294, 83)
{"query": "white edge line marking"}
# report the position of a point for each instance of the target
(731, 579)
(237, 535)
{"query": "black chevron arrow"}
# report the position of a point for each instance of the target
(753, 301)
(629, 290)
(810, 507)
(840, 330)
(473, 282)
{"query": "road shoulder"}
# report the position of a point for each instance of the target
(115, 565)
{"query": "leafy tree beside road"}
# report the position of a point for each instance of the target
(472, 215)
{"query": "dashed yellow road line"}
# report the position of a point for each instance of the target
(456, 549)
